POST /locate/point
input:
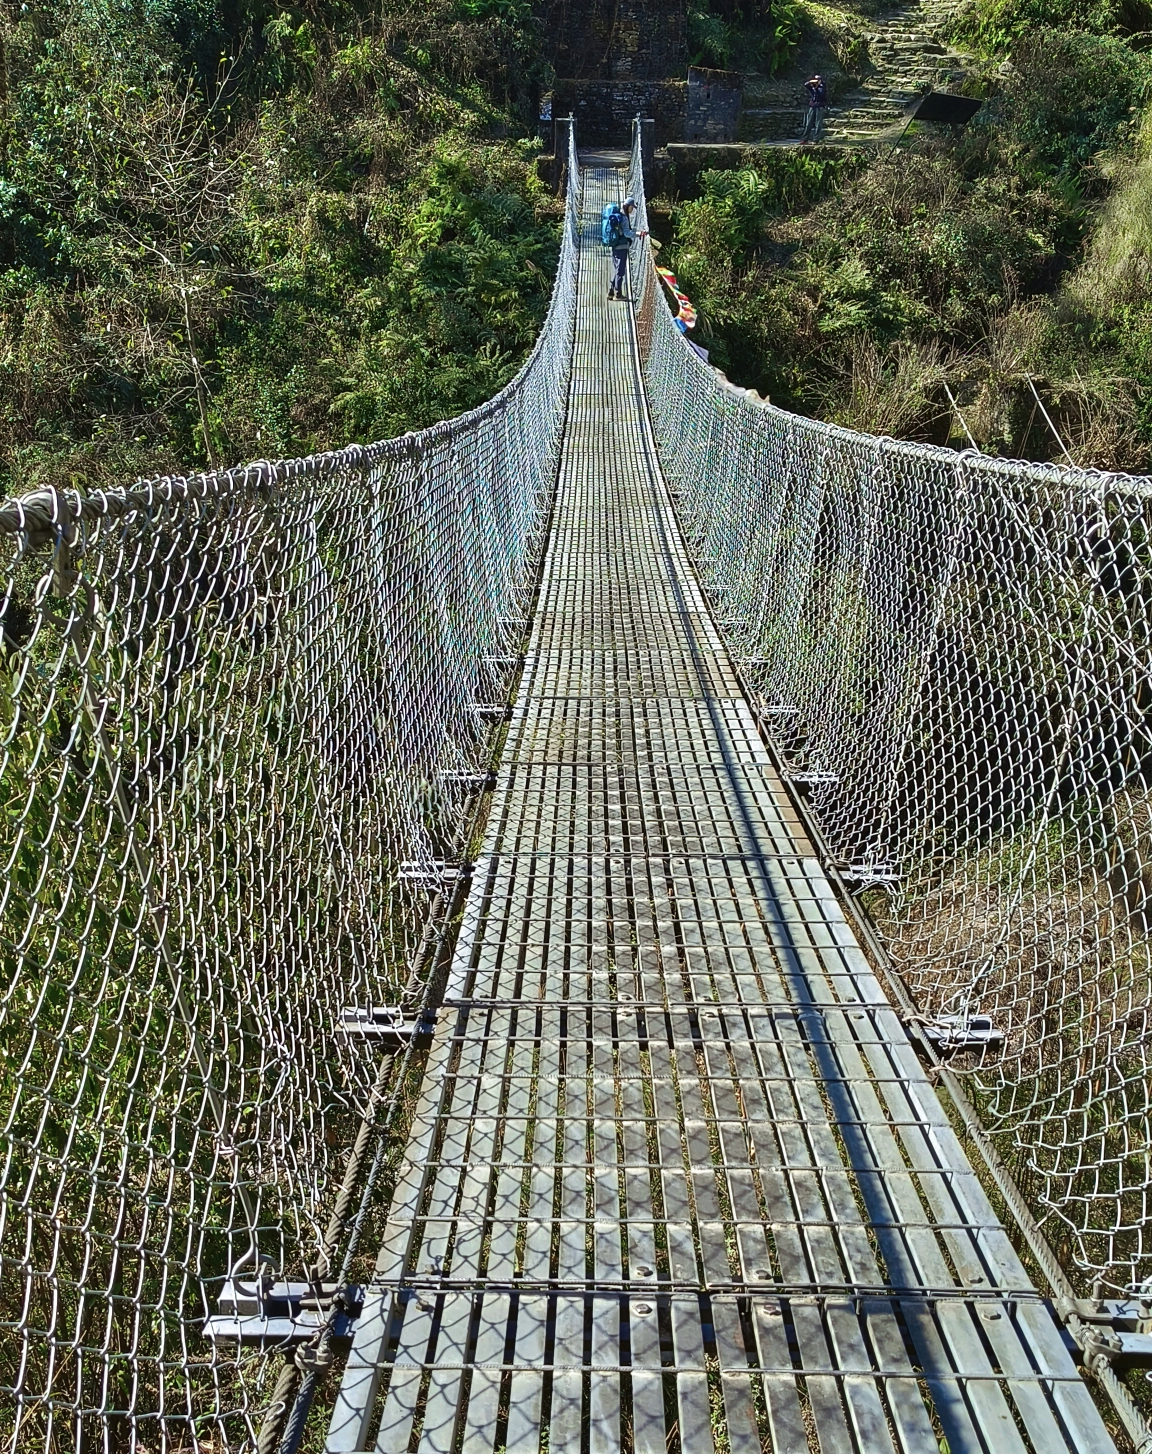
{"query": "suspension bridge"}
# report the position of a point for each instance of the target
(440, 1013)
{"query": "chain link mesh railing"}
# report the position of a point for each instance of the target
(954, 656)
(240, 719)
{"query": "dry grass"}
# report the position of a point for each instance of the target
(896, 393)
(1117, 268)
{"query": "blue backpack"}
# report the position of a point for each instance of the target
(611, 225)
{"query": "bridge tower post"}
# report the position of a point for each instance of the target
(561, 131)
(647, 125)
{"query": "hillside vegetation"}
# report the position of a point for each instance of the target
(863, 286)
(231, 229)
(234, 229)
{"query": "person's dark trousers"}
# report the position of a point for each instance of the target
(813, 124)
(619, 269)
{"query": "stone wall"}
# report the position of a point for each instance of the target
(617, 59)
(713, 108)
(616, 40)
(604, 110)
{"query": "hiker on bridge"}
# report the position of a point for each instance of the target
(616, 233)
(817, 107)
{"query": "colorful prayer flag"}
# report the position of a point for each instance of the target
(686, 318)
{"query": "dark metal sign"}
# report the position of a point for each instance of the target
(950, 110)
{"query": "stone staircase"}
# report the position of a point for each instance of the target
(906, 56)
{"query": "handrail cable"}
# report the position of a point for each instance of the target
(903, 627)
(248, 713)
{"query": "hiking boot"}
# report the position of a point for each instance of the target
(611, 294)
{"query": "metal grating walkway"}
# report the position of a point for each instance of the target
(676, 1180)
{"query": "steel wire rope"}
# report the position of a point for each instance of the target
(277, 669)
(292, 1400)
(281, 693)
(1048, 591)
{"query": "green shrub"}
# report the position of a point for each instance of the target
(717, 37)
(710, 39)
(517, 11)
(342, 247)
(911, 246)
(1117, 266)
(843, 33)
(994, 26)
(1071, 95)
(1019, 255)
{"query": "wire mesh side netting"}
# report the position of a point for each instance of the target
(954, 655)
(239, 720)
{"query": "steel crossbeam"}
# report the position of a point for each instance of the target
(676, 1178)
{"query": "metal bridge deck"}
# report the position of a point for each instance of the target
(676, 1178)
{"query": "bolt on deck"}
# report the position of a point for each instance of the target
(676, 1178)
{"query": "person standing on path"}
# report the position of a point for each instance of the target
(817, 106)
(617, 234)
